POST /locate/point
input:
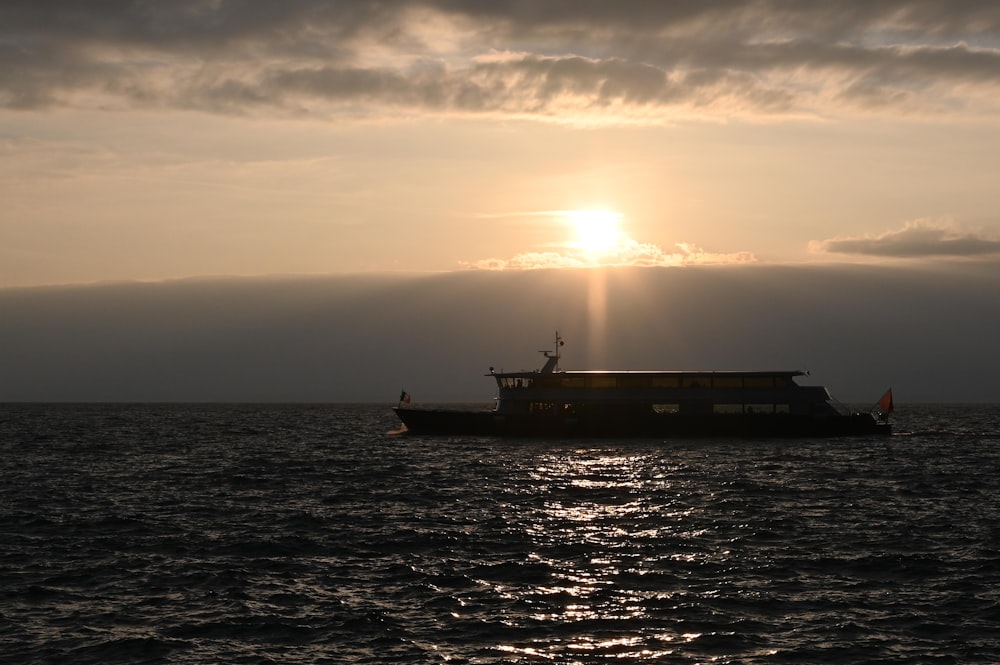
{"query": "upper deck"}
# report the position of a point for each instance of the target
(601, 379)
(663, 390)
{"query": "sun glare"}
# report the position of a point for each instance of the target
(596, 231)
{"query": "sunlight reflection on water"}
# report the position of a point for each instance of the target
(598, 522)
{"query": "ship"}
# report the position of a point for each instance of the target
(554, 403)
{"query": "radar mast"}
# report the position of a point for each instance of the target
(552, 358)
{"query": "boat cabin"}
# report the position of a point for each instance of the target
(661, 392)
(551, 390)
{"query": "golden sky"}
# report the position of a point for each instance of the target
(145, 141)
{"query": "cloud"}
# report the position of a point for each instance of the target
(627, 253)
(360, 337)
(628, 60)
(920, 238)
(599, 241)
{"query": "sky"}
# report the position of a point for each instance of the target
(146, 143)
(143, 140)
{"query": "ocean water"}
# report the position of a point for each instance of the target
(316, 534)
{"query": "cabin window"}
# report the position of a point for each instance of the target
(696, 382)
(759, 382)
(782, 408)
(666, 408)
(727, 382)
(574, 382)
(541, 407)
(727, 408)
(512, 382)
(665, 382)
(603, 382)
(759, 408)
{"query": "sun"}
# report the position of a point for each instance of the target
(596, 231)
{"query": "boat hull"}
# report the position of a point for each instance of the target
(492, 423)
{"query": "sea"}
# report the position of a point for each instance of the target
(148, 533)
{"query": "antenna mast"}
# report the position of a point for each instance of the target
(552, 359)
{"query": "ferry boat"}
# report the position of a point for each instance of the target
(550, 402)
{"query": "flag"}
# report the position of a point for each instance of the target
(884, 404)
(404, 397)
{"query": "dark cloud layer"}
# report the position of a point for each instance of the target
(576, 58)
(919, 239)
(930, 334)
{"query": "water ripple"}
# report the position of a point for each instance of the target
(311, 534)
